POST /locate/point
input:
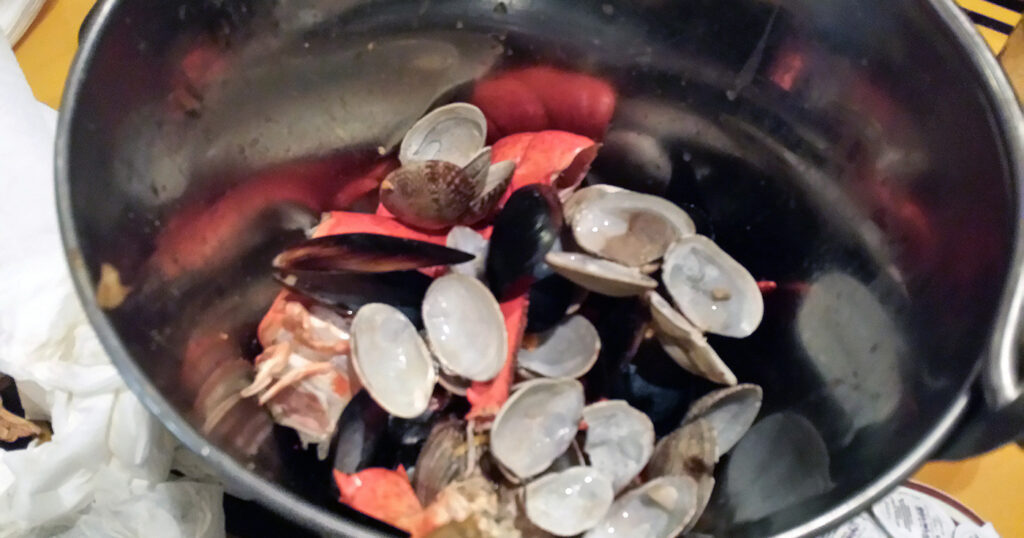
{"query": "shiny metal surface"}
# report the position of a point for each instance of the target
(866, 155)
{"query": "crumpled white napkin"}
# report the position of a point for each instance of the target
(105, 472)
(16, 16)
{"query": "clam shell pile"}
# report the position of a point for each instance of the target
(414, 325)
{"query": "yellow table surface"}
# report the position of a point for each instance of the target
(992, 485)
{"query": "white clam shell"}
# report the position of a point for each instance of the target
(478, 167)
(660, 508)
(600, 276)
(585, 195)
(711, 289)
(392, 360)
(628, 227)
(692, 451)
(453, 133)
(467, 240)
(465, 327)
(493, 185)
(570, 349)
(537, 424)
(454, 384)
(730, 411)
(685, 343)
(620, 440)
(568, 502)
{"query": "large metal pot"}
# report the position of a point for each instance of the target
(867, 154)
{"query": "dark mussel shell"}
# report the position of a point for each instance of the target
(405, 437)
(403, 290)
(657, 386)
(366, 253)
(360, 429)
(442, 459)
(620, 323)
(524, 231)
(550, 298)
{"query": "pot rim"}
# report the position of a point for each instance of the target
(247, 484)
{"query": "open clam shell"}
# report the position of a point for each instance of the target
(465, 327)
(685, 343)
(392, 360)
(730, 411)
(584, 196)
(600, 276)
(430, 195)
(691, 450)
(620, 440)
(478, 167)
(453, 383)
(569, 502)
(711, 289)
(569, 349)
(452, 133)
(660, 508)
(536, 425)
(494, 185)
(365, 253)
(469, 241)
(628, 227)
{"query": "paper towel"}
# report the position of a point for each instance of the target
(105, 472)
(16, 16)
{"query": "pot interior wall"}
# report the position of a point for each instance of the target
(842, 149)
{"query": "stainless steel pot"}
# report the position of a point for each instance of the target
(868, 155)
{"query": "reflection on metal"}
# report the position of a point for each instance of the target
(780, 462)
(856, 346)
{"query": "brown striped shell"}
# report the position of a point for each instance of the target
(428, 194)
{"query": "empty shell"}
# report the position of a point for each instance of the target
(685, 343)
(600, 276)
(569, 349)
(536, 425)
(465, 327)
(620, 440)
(453, 133)
(628, 227)
(660, 508)
(711, 289)
(568, 502)
(730, 411)
(391, 360)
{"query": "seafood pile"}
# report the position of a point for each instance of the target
(455, 311)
